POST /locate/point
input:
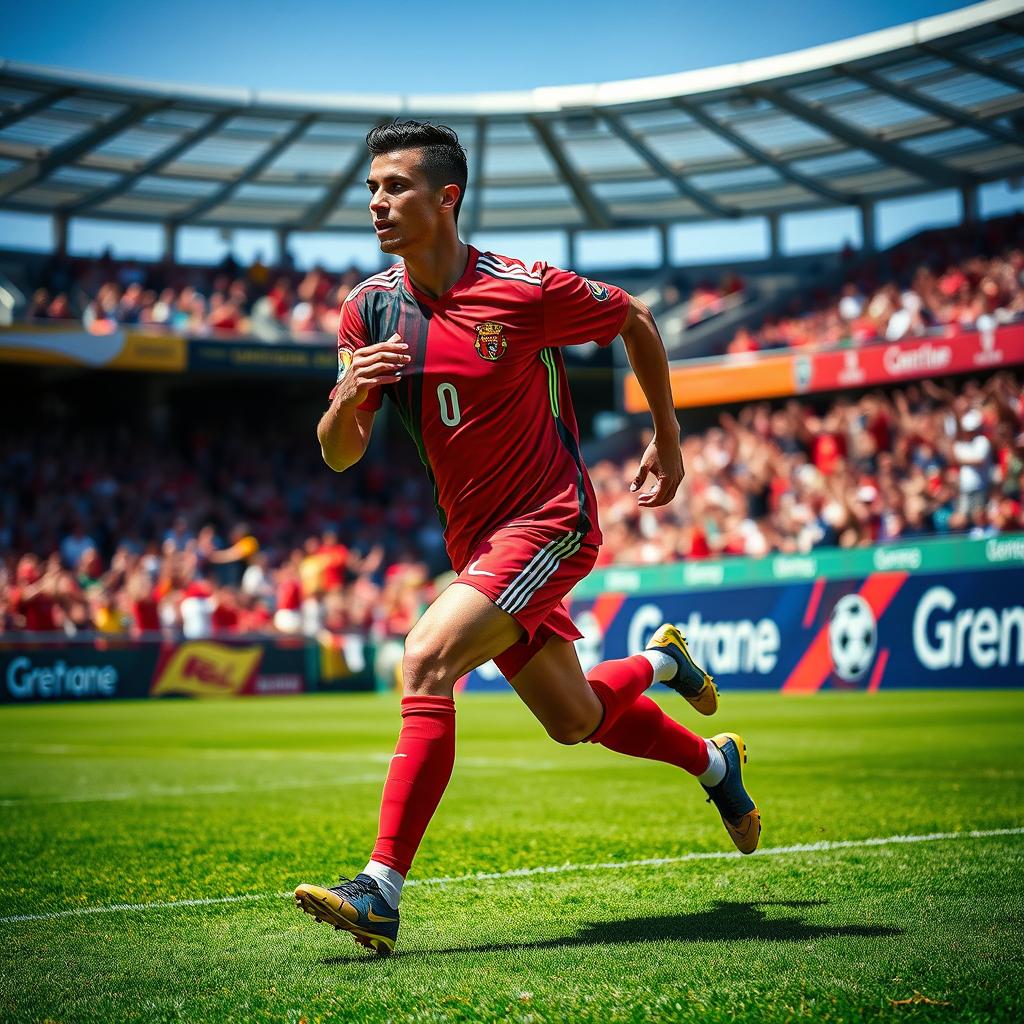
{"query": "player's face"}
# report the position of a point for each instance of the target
(405, 208)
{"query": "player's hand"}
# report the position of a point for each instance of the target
(373, 366)
(664, 461)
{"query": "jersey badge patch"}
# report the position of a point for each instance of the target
(599, 291)
(344, 362)
(490, 340)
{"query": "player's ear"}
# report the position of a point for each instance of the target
(450, 196)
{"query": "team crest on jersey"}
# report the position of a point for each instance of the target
(344, 362)
(490, 340)
(599, 291)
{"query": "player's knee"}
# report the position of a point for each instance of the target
(570, 731)
(424, 673)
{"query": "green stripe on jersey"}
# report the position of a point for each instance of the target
(549, 361)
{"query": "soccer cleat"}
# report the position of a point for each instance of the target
(355, 906)
(739, 813)
(690, 680)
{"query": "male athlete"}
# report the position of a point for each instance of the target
(466, 345)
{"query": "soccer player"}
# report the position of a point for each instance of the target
(466, 344)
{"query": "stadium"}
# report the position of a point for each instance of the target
(207, 635)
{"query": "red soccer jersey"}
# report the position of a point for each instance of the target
(485, 396)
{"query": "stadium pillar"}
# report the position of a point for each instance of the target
(60, 233)
(867, 226)
(774, 236)
(666, 246)
(170, 241)
(282, 246)
(969, 204)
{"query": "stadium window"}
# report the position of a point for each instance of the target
(718, 241)
(900, 218)
(529, 246)
(821, 231)
(602, 250)
(334, 250)
(30, 232)
(999, 197)
(87, 237)
(207, 246)
(247, 244)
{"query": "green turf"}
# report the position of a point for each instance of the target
(160, 801)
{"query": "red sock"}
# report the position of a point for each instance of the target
(417, 777)
(644, 730)
(617, 685)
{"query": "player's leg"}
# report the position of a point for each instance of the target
(459, 631)
(566, 702)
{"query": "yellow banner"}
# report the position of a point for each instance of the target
(202, 668)
(72, 345)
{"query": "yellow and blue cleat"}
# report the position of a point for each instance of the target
(739, 813)
(356, 906)
(690, 680)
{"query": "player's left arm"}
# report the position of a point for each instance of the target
(663, 458)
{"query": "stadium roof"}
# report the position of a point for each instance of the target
(935, 103)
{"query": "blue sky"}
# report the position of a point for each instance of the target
(434, 46)
(320, 46)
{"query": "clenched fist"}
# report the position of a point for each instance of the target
(372, 366)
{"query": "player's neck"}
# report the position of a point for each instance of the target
(434, 270)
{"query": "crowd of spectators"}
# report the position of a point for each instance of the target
(226, 301)
(969, 278)
(279, 304)
(240, 530)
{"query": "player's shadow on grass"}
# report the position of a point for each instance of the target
(725, 922)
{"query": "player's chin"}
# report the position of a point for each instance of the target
(392, 244)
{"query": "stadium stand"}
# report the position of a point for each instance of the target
(227, 301)
(111, 530)
(279, 304)
(970, 277)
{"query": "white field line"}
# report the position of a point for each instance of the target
(483, 765)
(555, 869)
(220, 753)
(159, 792)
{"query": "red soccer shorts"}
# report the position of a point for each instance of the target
(526, 571)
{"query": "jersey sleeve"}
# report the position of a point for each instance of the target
(352, 336)
(577, 310)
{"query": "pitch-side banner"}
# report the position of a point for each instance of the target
(894, 628)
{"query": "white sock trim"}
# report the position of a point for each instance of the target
(388, 880)
(715, 771)
(664, 667)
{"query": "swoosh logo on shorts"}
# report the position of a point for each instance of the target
(479, 572)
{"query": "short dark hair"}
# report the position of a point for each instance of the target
(444, 160)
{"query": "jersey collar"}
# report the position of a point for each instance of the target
(467, 275)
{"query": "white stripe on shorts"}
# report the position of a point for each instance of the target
(546, 574)
(522, 588)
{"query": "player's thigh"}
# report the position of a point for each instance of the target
(460, 631)
(554, 688)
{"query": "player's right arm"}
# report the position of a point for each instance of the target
(344, 429)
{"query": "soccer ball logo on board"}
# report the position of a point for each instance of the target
(852, 637)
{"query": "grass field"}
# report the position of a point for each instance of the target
(145, 804)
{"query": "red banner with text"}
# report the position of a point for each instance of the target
(786, 372)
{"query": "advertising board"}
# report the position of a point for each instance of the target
(940, 613)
